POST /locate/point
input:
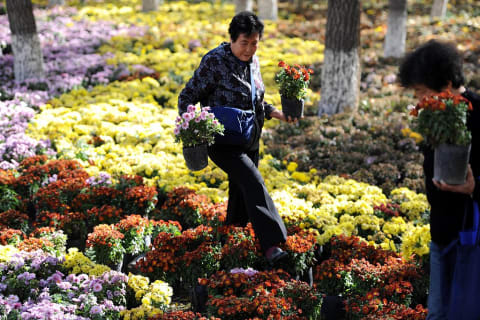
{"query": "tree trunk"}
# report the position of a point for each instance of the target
(243, 5)
(150, 5)
(27, 52)
(341, 65)
(268, 10)
(397, 29)
(52, 3)
(439, 8)
(299, 6)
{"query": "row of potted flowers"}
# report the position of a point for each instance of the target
(189, 208)
(182, 259)
(60, 193)
(381, 285)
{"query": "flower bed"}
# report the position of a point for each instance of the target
(342, 146)
(61, 194)
(69, 46)
(35, 286)
(246, 294)
(70, 61)
(14, 144)
(56, 193)
(372, 282)
(190, 209)
(125, 128)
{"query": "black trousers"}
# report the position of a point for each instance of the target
(248, 198)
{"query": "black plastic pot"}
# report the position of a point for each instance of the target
(333, 308)
(116, 266)
(292, 107)
(199, 297)
(306, 276)
(131, 266)
(196, 157)
(76, 243)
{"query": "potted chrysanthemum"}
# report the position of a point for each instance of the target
(293, 83)
(442, 121)
(196, 129)
(104, 246)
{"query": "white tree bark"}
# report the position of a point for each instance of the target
(340, 81)
(27, 52)
(150, 5)
(268, 10)
(243, 5)
(396, 29)
(341, 64)
(439, 8)
(53, 3)
(28, 57)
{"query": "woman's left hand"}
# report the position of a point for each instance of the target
(279, 115)
(466, 188)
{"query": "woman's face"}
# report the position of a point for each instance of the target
(245, 46)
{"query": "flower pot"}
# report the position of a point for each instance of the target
(196, 157)
(127, 258)
(148, 241)
(76, 243)
(116, 266)
(199, 297)
(451, 163)
(132, 265)
(320, 254)
(333, 308)
(306, 276)
(292, 107)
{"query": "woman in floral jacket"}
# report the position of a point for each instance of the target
(223, 79)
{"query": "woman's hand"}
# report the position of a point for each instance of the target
(466, 188)
(279, 115)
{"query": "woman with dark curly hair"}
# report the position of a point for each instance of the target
(224, 78)
(433, 67)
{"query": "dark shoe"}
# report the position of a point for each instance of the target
(276, 254)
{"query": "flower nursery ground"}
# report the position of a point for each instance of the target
(101, 219)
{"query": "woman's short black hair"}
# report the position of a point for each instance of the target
(245, 22)
(433, 65)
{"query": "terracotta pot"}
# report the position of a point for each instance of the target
(196, 157)
(451, 163)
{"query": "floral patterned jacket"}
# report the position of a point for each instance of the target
(223, 80)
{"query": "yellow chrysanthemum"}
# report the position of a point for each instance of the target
(6, 252)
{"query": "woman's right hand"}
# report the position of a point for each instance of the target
(279, 115)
